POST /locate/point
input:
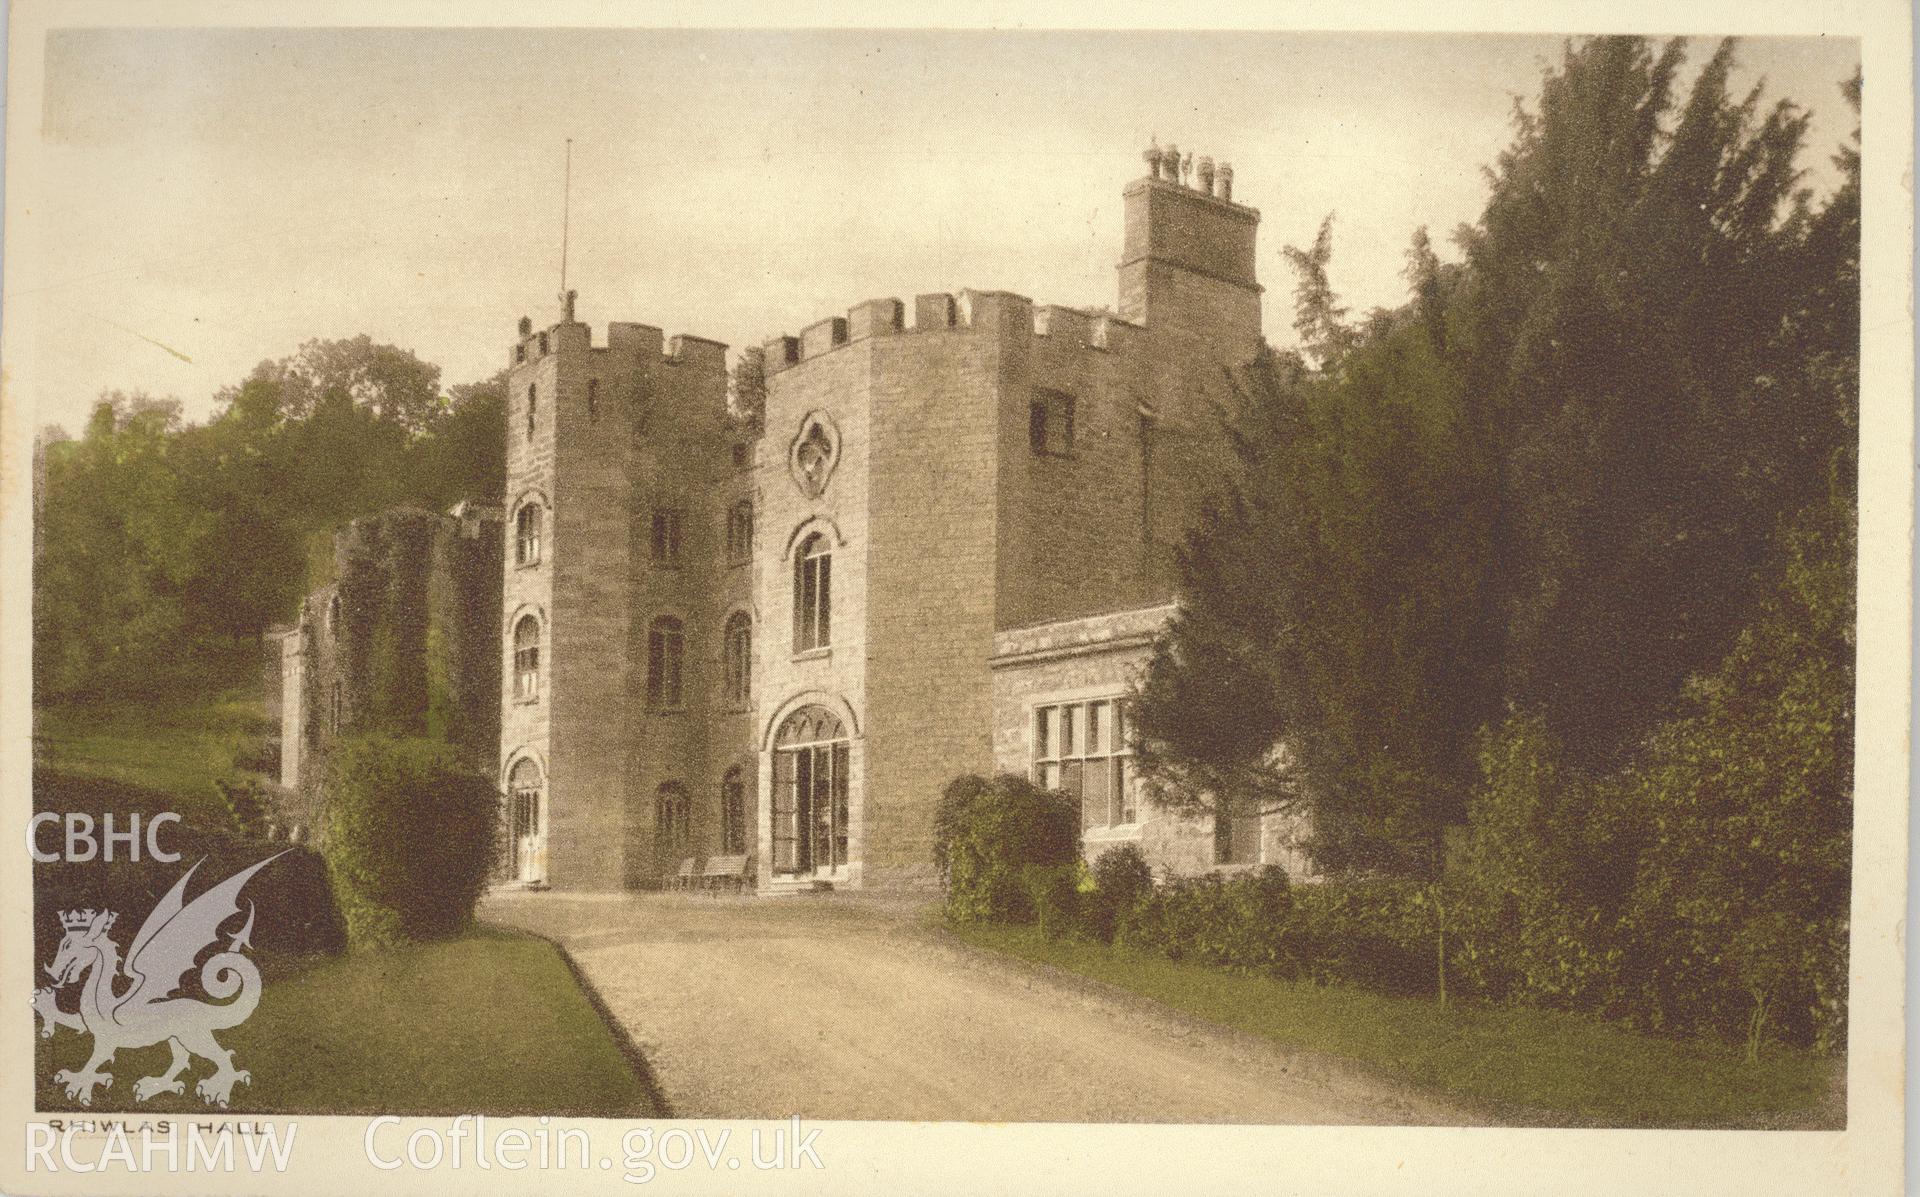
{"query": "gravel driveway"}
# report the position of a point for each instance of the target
(850, 1007)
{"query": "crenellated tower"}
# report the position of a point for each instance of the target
(619, 474)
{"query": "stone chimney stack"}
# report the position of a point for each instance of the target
(1187, 262)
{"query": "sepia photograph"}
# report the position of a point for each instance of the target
(643, 603)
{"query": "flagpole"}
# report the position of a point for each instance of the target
(566, 211)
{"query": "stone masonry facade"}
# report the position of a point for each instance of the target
(779, 633)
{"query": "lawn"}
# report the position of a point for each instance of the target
(1523, 1067)
(490, 1023)
(178, 752)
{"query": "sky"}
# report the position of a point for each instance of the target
(212, 198)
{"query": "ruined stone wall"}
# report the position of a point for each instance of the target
(400, 642)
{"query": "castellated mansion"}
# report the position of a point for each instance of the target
(773, 637)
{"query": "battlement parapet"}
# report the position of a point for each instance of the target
(641, 341)
(933, 311)
(966, 310)
(1091, 330)
(699, 352)
(624, 339)
(823, 336)
(874, 318)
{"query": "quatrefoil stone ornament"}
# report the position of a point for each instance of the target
(815, 451)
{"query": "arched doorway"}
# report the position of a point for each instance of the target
(672, 827)
(810, 769)
(526, 823)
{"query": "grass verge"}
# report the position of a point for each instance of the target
(489, 1023)
(175, 751)
(1523, 1066)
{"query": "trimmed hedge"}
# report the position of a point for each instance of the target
(1121, 880)
(1242, 922)
(411, 834)
(988, 834)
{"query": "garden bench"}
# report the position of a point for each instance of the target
(688, 874)
(728, 871)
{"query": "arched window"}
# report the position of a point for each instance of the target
(525, 838)
(811, 764)
(812, 594)
(533, 395)
(526, 659)
(526, 535)
(733, 812)
(740, 532)
(666, 650)
(666, 535)
(739, 659)
(672, 817)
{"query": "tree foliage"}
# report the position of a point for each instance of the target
(165, 548)
(1551, 483)
(1337, 592)
(1628, 282)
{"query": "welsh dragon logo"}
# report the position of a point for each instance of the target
(146, 1011)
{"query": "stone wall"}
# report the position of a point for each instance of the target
(400, 642)
(1101, 657)
(826, 378)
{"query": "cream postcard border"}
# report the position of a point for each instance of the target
(904, 1157)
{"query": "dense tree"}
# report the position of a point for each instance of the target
(1554, 481)
(747, 387)
(463, 453)
(1625, 287)
(389, 383)
(1334, 598)
(164, 549)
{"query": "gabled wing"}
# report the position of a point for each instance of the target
(164, 950)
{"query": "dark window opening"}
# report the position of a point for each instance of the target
(740, 533)
(1050, 423)
(666, 654)
(813, 595)
(666, 536)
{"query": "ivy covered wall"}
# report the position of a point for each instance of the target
(403, 637)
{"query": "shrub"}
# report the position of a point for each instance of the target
(258, 754)
(1367, 931)
(292, 899)
(948, 815)
(989, 833)
(1240, 923)
(410, 837)
(1054, 893)
(246, 805)
(1121, 882)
